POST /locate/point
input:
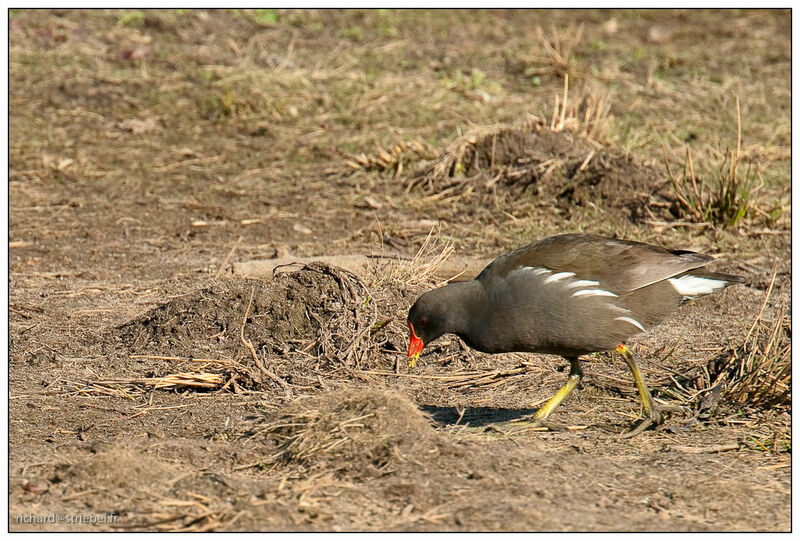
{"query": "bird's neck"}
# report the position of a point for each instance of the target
(465, 301)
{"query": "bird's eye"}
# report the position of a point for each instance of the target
(423, 321)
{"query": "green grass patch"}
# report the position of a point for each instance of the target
(131, 18)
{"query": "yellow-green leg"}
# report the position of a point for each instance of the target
(575, 376)
(652, 410)
(541, 416)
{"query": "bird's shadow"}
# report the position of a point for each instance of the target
(475, 416)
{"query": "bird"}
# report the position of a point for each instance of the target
(568, 295)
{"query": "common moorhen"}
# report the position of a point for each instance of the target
(567, 295)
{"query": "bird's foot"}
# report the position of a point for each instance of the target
(534, 422)
(655, 418)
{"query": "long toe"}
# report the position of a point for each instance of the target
(672, 408)
(655, 418)
(533, 422)
(638, 427)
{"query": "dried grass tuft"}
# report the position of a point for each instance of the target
(391, 159)
(731, 197)
(758, 373)
(432, 254)
(499, 154)
(590, 116)
(559, 47)
(362, 428)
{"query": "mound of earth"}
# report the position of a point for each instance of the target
(118, 467)
(289, 333)
(317, 314)
(356, 430)
(568, 168)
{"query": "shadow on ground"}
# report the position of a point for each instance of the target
(447, 417)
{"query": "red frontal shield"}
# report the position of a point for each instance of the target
(415, 343)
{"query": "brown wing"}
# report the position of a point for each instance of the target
(620, 266)
(542, 311)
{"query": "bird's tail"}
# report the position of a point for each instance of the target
(729, 279)
(698, 282)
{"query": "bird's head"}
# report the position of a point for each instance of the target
(427, 321)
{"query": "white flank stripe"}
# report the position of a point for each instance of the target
(558, 276)
(631, 321)
(690, 286)
(593, 293)
(582, 283)
(536, 271)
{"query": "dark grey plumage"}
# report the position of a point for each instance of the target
(567, 295)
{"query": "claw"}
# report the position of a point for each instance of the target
(655, 418)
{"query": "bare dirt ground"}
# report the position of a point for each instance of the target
(152, 153)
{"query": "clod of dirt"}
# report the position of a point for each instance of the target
(118, 468)
(317, 314)
(355, 430)
(566, 167)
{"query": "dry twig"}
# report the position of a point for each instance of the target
(249, 345)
